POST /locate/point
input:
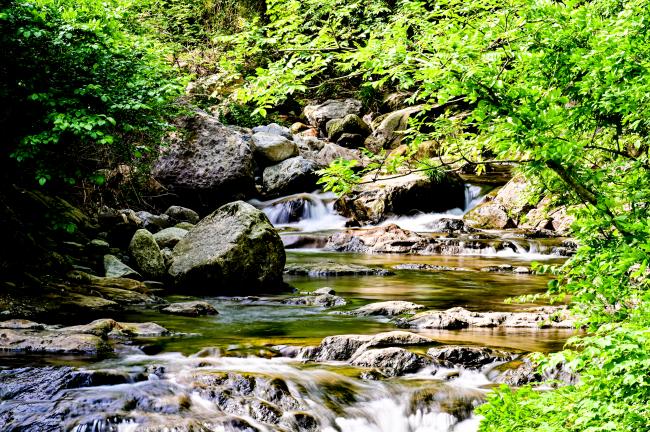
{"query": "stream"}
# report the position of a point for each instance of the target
(223, 372)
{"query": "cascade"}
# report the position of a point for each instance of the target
(307, 212)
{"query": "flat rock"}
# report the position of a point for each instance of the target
(429, 267)
(346, 347)
(99, 336)
(468, 357)
(459, 318)
(383, 239)
(323, 300)
(190, 308)
(388, 308)
(328, 269)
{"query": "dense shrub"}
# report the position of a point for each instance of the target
(78, 92)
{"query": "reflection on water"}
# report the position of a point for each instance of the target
(247, 326)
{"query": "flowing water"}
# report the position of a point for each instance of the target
(222, 373)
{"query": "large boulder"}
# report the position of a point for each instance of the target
(319, 115)
(272, 148)
(146, 254)
(293, 175)
(389, 129)
(372, 202)
(234, 249)
(214, 164)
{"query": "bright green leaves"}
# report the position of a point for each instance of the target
(340, 176)
(80, 89)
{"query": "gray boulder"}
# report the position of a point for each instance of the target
(393, 361)
(273, 148)
(319, 115)
(114, 268)
(168, 237)
(213, 165)
(146, 254)
(293, 175)
(234, 248)
(273, 129)
(182, 214)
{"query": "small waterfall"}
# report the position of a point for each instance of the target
(423, 222)
(474, 196)
(307, 212)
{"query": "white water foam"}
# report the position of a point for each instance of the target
(316, 212)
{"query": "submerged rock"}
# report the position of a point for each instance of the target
(388, 308)
(323, 300)
(429, 267)
(233, 249)
(190, 308)
(328, 269)
(459, 318)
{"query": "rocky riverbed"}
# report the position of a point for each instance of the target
(267, 306)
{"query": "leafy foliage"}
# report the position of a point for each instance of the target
(78, 91)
